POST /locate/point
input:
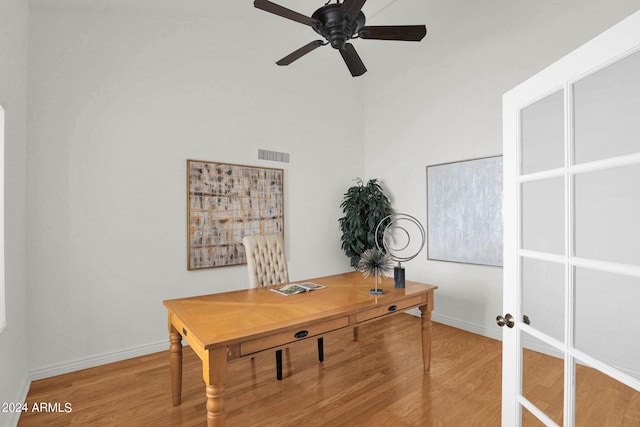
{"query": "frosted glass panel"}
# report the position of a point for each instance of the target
(542, 378)
(607, 111)
(543, 134)
(603, 401)
(530, 420)
(607, 319)
(543, 215)
(543, 296)
(607, 215)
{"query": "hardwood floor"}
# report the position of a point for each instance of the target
(377, 381)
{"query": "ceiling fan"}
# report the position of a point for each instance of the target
(338, 23)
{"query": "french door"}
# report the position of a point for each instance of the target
(572, 238)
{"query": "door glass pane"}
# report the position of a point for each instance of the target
(543, 377)
(530, 420)
(542, 125)
(607, 319)
(543, 215)
(606, 111)
(543, 296)
(607, 214)
(603, 401)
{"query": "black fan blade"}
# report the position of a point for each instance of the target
(353, 61)
(276, 9)
(300, 52)
(352, 8)
(412, 33)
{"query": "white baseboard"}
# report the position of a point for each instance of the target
(497, 335)
(93, 361)
(14, 417)
(465, 326)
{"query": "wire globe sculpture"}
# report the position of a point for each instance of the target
(396, 239)
(395, 231)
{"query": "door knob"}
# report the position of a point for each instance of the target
(506, 320)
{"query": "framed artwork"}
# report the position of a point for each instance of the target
(226, 202)
(464, 211)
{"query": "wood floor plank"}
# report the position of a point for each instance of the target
(377, 381)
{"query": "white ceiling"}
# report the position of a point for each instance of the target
(285, 35)
(211, 8)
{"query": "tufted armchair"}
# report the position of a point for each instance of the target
(267, 266)
(266, 260)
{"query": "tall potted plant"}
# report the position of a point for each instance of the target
(364, 206)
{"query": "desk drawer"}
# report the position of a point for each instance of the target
(292, 335)
(391, 308)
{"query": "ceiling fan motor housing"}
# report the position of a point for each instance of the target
(336, 27)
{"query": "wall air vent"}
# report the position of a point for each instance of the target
(274, 156)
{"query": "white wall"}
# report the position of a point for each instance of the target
(118, 102)
(446, 106)
(13, 98)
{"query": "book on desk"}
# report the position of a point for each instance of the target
(297, 288)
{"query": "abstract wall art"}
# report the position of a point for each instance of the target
(226, 202)
(464, 211)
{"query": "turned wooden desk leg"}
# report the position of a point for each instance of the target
(215, 375)
(425, 311)
(175, 361)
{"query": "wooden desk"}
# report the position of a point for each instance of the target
(231, 325)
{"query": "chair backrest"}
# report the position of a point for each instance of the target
(266, 260)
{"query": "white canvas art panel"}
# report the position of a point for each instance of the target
(464, 211)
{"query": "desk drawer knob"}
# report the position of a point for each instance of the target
(393, 308)
(301, 334)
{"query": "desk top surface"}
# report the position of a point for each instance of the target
(231, 316)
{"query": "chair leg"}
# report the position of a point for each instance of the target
(321, 349)
(279, 364)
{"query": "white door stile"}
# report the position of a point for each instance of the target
(569, 361)
(511, 364)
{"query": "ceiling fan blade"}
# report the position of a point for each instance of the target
(413, 33)
(353, 61)
(352, 8)
(276, 9)
(300, 52)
